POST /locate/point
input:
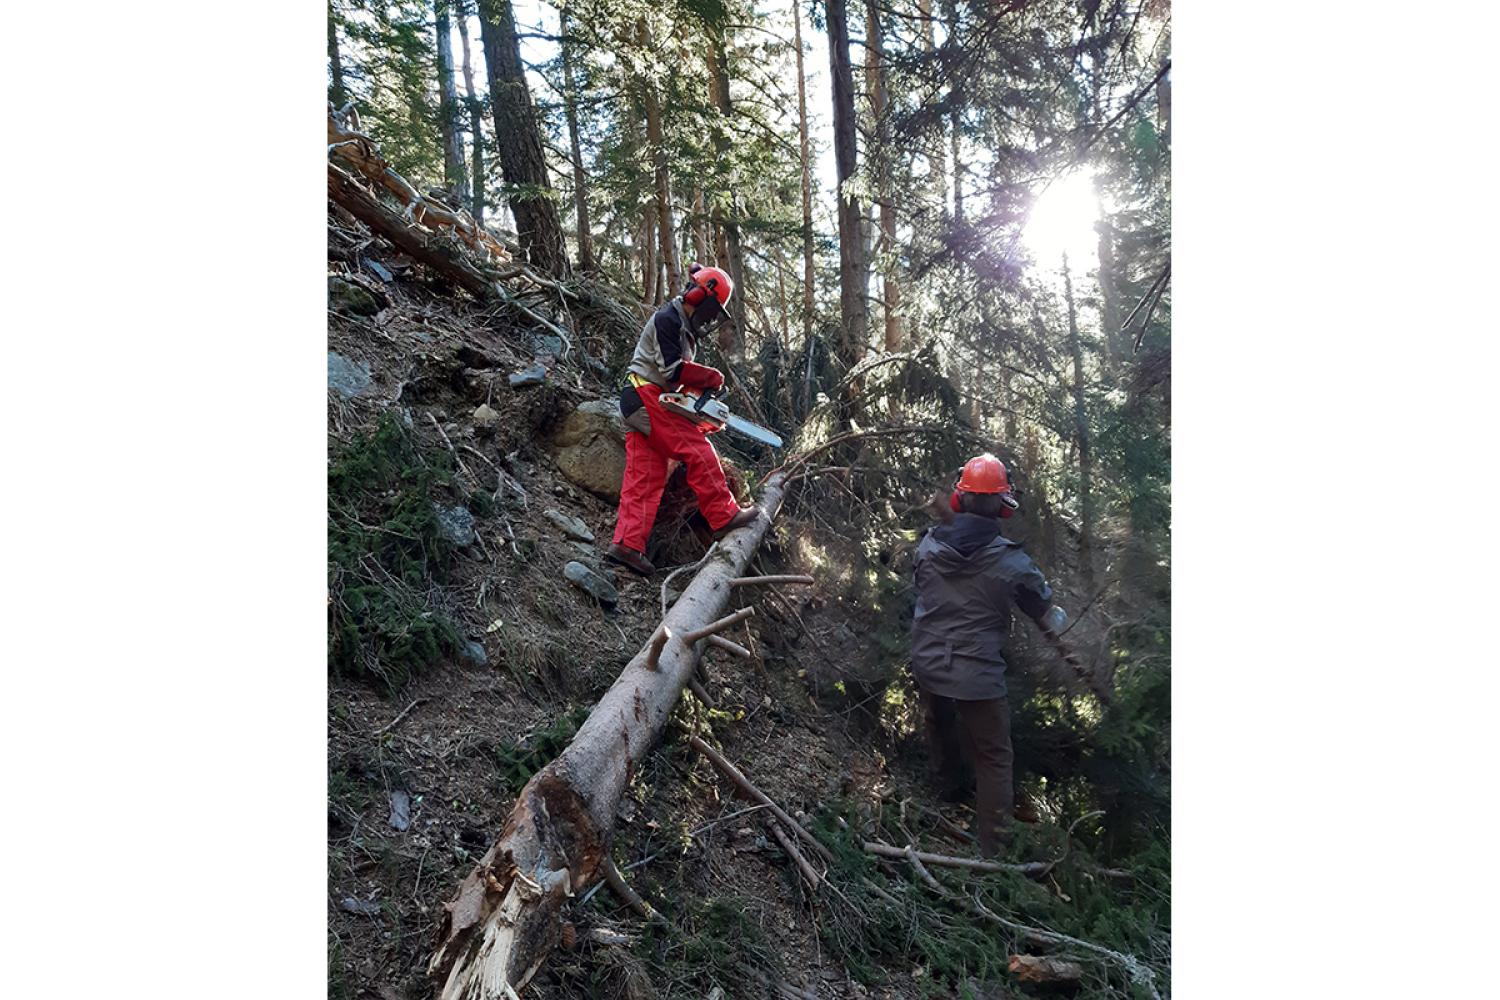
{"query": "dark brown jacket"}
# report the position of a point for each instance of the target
(968, 578)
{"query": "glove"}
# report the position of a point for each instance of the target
(698, 376)
(1054, 619)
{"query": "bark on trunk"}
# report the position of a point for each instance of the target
(700, 226)
(809, 276)
(520, 140)
(937, 161)
(955, 97)
(504, 919)
(580, 187)
(1109, 294)
(886, 249)
(337, 93)
(453, 149)
(731, 331)
(476, 119)
(648, 255)
(656, 139)
(853, 268)
(1081, 438)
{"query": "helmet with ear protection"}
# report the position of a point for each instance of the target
(985, 474)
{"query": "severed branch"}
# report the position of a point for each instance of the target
(756, 795)
(729, 646)
(1030, 868)
(745, 581)
(1136, 969)
(809, 874)
(717, 626)
(397, 720)
(629, 896)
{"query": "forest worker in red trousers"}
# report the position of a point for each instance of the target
(663, 361)
(968, 578)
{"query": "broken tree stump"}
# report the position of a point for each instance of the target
(1045, 969)
(505, 917)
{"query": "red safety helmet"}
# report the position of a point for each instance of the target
(985, 474)
(706, 281)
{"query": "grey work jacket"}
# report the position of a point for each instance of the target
(666, 342)
(968, 578)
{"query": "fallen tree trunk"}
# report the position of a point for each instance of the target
(360, 152)
(418, 244)
(504, 919)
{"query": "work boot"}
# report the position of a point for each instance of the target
(629, 558)
(747, 515)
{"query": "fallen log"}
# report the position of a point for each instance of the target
(505, 917)
(421, 246)
(361, 152)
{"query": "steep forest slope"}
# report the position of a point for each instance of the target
(463, 659)
(493, 251)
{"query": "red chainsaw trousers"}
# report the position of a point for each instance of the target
(672, 436)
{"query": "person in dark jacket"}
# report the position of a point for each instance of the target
(968, 578)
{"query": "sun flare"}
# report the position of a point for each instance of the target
(1062, 221)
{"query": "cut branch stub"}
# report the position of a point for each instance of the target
(717, 626)
(659, 639)
(504, 919)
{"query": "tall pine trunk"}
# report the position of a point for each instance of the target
(520, 140)
(809, 277)
(938, 162)
(1081, 439)
(700, 227)
(956, 98)
(580, 187)
(853, 267)
(731, 332)
(337, 92)
(656, 140)
(453, 147)
(882, 151)
(476, 120)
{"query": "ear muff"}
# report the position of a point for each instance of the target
(695, 296)
(953, 503)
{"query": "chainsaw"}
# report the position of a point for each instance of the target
(708, 408)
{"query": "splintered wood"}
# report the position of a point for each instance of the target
(359, 151)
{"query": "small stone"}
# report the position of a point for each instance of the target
(345, 377)
(474, 653)
(400, 810)
(533, 375)
(360, 907)
(586, 554)
(345, 296)
(595, 584)
(486, 420)
(378, 269)
(546, 343)
(455, 524)
(570, 526)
